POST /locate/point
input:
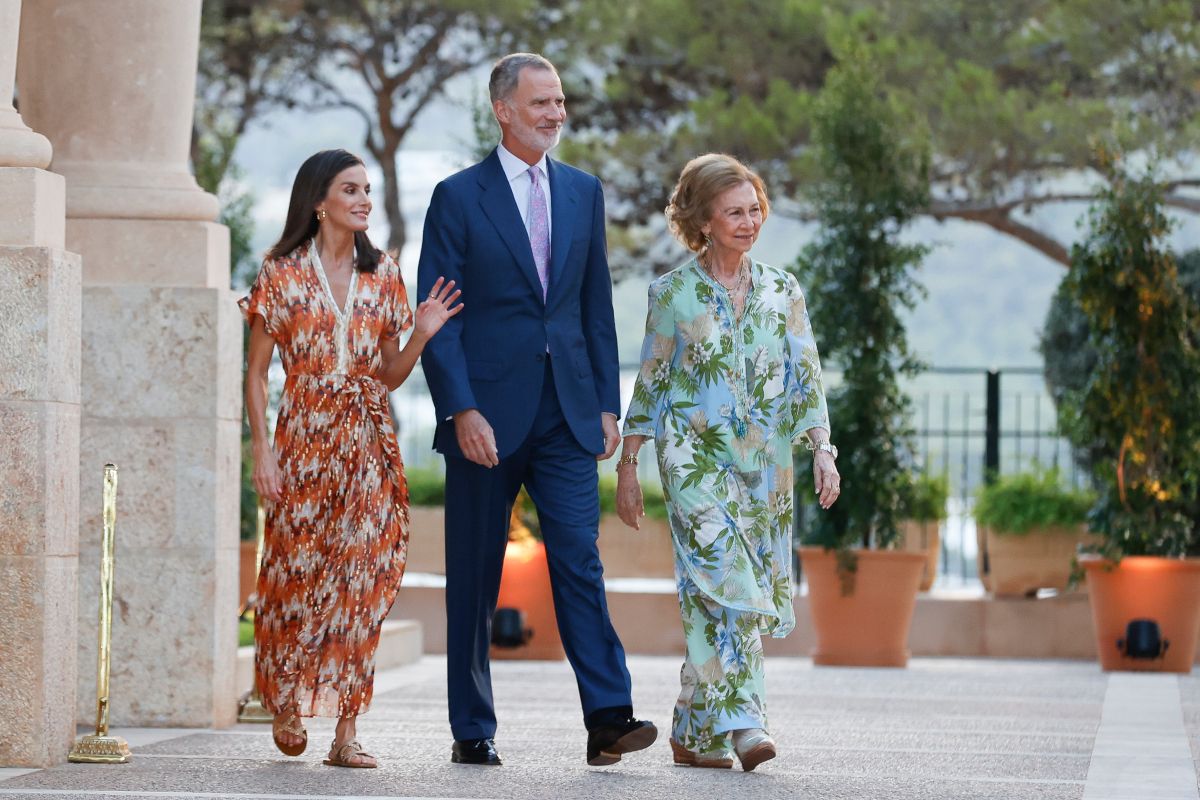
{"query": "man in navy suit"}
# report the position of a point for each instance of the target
(525, 384)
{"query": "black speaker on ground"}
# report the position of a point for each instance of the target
(508, 628)
(1143, 639)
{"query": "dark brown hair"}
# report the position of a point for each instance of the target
(310, 187)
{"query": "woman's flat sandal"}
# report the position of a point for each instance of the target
(289, 724)
(343, 756)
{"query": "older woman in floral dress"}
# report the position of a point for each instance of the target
(332, 481)
(730, 379)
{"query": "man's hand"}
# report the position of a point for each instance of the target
(476, 438)
(612, 437)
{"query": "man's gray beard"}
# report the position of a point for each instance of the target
(529, 141)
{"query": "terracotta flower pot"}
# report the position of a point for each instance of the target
(525, 585)
(1165, 590)
(868, 626)
(1020, 564)
(922, 536)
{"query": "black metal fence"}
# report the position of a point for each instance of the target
(973, 422)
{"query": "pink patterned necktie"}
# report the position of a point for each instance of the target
(539, 229)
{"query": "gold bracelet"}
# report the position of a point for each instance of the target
(628, 459)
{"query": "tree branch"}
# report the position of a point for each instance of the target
(425, 53)
(435, 85)
(998, 219)
(1184, 202)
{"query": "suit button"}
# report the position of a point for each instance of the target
(541, 356)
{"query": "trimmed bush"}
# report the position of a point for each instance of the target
(1025, 501)
(426, 487)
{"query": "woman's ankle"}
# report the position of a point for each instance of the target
(346, 729)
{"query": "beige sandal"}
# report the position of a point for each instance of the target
(684, 757)
(289, 722)
(343, 756)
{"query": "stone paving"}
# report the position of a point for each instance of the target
(943, 728)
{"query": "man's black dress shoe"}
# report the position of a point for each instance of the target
(475, 751)
(609, 741)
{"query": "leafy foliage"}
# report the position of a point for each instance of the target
(1137, 411)
(924, 498)
(859, 277)
(385, 60)
(1021, 502)
(248, 64)
(426, 487)
(1012, 96)
(1070, 358)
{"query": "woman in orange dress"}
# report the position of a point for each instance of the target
(332, 482)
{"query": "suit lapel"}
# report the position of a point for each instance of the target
(499, 206)
(563, 203)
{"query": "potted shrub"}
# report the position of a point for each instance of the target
(1137, 417)
(1032, 526)
(858, 276)
(922, 510)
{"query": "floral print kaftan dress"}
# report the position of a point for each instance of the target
(724, 398)
(335, 544)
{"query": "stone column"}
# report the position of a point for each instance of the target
(112, 84)
(39, 445)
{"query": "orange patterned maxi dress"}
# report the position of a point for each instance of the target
(335, 545)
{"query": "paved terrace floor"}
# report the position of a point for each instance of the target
(943, 728)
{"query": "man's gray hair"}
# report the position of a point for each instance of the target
(507, 70)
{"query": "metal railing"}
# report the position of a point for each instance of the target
(974, 422)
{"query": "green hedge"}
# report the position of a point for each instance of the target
(1019, 503)
(427, 487)
(652, 498)
(245, 632)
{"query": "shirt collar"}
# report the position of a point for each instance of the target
(514, 167)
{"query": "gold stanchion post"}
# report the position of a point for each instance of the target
(251, 709)
(99, 747)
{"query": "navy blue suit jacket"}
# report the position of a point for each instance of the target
(491, 356)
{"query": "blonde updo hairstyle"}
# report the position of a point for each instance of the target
(703, 179)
